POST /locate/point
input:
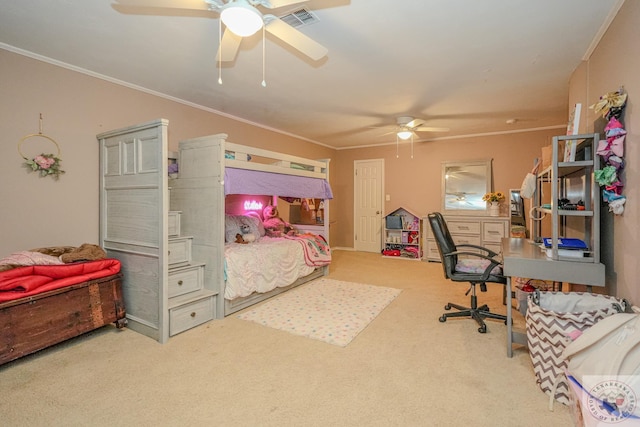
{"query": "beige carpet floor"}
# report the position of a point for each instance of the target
(405, 369)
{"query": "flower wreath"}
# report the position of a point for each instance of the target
(44, 164)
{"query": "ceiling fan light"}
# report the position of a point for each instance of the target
(243, 20)
(404, 134)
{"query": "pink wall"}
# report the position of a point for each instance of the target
(416, 183)
(76, 107)
(614, 63)
(40, 212)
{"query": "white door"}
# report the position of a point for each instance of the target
(368, 204)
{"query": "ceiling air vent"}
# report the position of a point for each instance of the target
(299, 18)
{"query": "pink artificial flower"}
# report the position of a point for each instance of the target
(43, 162)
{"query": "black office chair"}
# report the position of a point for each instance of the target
(476, 266)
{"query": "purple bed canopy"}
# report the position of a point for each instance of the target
(242, 181)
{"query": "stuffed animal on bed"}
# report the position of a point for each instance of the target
(247, 235)
(275, 226)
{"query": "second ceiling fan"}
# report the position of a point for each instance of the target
(241, 18)
(406, 127)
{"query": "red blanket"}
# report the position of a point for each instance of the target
(34, 279)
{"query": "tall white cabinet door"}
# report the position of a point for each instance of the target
(134, 205)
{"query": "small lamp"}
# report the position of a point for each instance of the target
(242, 19)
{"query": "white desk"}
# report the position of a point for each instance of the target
(523, 258)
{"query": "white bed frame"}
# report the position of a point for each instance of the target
(199, 195)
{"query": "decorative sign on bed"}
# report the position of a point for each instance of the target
(252, 205)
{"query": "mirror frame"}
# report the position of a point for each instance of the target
(484, 164)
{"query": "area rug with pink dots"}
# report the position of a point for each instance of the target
(328, 310)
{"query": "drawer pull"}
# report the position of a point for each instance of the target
(462, 227)
(493, 232)
(179, 282)
(193, 314)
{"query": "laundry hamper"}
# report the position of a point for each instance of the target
(550, 320)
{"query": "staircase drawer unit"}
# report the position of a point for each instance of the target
(183, 280)
(174, 223)
(180, 250)
(190, 315)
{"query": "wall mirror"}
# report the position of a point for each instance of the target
(516, 205)
(463, 185)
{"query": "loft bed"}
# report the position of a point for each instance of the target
(214, 177)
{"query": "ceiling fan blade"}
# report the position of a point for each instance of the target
(430, 129)
(293, 37)
(388, 133)
(415, 123)
(171, 4)
(228, 46)
(189, 8)
(272, 4)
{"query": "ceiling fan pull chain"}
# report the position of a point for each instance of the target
(397, 144)
(264, 81)
(220, 52)
(412, 145)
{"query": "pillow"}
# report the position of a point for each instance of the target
(232, 225)
(231, 228)
(30, 258)
(254, 219)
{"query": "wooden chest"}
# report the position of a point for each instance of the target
(37, 322)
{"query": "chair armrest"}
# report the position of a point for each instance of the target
(468, 245)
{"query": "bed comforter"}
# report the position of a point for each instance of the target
(271, 262)
(31, 280)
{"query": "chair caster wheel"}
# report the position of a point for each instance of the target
(442, 318)
(482, 329)
(447, 307)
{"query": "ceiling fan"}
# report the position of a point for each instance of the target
(406, 127)
(241, 19)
